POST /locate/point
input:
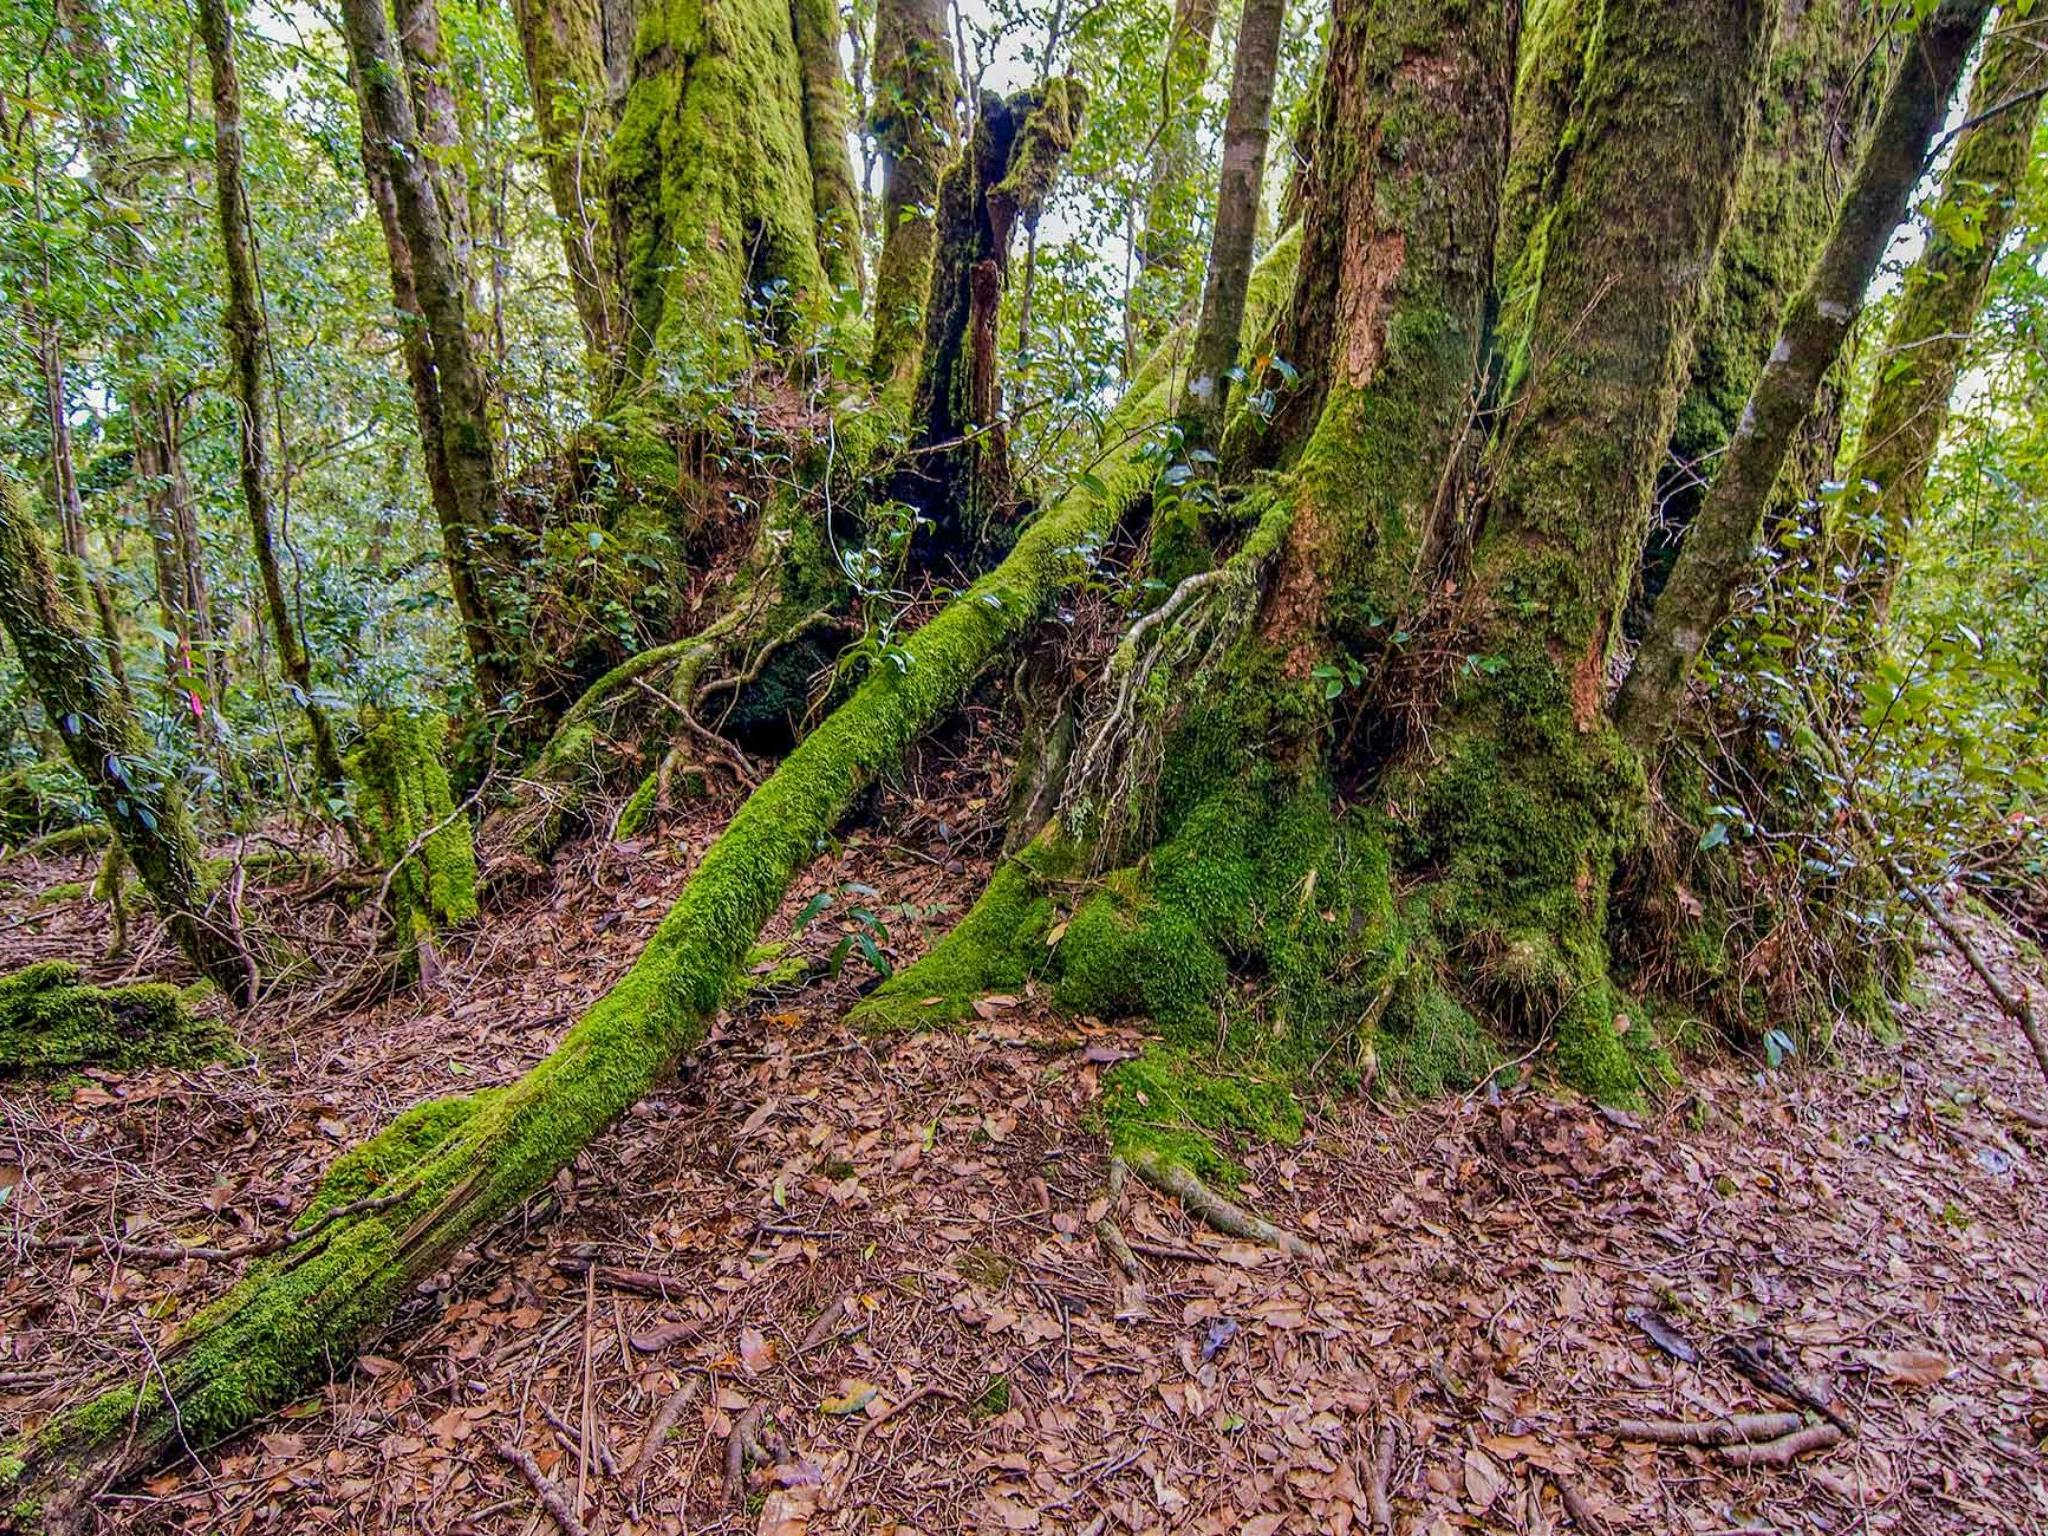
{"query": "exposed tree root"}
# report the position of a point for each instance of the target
(1785, 1450)
(1107, 1231)
(552, 1499)
(1109, 797)
(1735, 1429)
(459, 1165)
(1211, 1209)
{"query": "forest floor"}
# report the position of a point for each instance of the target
(880, 1252)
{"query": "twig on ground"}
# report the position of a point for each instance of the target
(1576, 1506)
(639, 1281)
(1376, 1496)
(1735, 1429)
(1786, 1449)
(549, 1495)
(1753, 1360)
(658, 1432)
(740, 1447)
(1107, 1232)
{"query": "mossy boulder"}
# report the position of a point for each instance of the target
(52, 1021)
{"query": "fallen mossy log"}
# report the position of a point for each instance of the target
(456, 1166)
(51, 1020)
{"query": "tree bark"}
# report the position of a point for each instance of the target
(439, 118)
(1717, 550)
(247, 342)
(460, 416)
(142, 805)
(1929, 336)
(835, 205)
(1527, 795)
(1246, 127)
(90, 580)
(714, 194)
(566, 70)
(912, 119)
(193, 664)
(1391, 313)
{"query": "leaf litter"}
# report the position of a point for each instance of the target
(868, 1269)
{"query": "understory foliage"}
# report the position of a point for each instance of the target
(605, 478)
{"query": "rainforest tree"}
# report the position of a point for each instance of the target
(1537, 333)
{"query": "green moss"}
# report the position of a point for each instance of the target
(638, 811)
(1176, 1104)
(995, 948)
(1430, 1043)
(407, 811)
(51, 1020)
(993, 1401)
(277, 1332)
(712, 186)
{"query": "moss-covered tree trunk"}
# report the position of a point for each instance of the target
(725, 229)
(912, 119)
(193, 664)
(1929, 336)
(1247, 124)
(246, 349)
(1718, 547)
(958, 470)
(439, 118)
(421, 835)
(835, 205)
(451, 392)
(89, 579)
(573, 109)
(1528, 794)
(452, 1167)
(144, 806)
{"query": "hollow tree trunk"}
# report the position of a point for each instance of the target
(1246, 128)
(912, 119)
(247, 344)
(455, 1166)
(958, 472)
(564, 45)
(1717, 550)
(457, 413)
(1929, 334)
(1166, 236)
(142, 805)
